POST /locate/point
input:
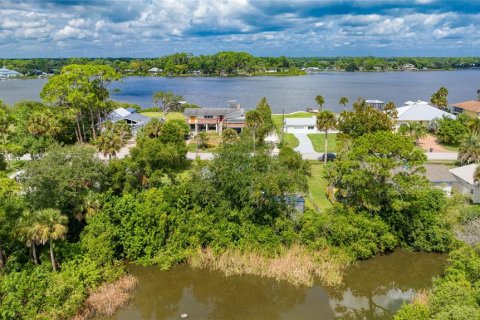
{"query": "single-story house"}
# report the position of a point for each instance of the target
(471, 108)
(154, 70)
(7, 73)
(375, 104)
(440, 177)
(215, 119)
(118, 113)
(300, 125)
(465, 182)
(420, 111)
(132, 118)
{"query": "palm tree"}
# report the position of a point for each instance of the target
(109, 143)
(474, 126)
(326, 121)
(253, 120)
(6, 122)
(28, 233)
(476, 175)
(414, 130)
(469, 150)
(343, 101)
(320, 101)
(153, 128)
(51, 226)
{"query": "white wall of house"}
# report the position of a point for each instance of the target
(300, 129)
(466, 188)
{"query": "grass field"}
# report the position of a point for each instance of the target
(317, 188)
(170, 115)
(318, 142)
(290, 140)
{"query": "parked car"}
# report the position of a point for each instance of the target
(330, 157)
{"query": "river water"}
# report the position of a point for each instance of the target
(372, 289)
(283, 93)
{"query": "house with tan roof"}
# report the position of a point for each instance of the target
(471, 108)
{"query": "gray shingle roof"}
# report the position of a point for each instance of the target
(136, 117)
(438, 173)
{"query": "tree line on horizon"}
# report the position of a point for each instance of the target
(239, 63)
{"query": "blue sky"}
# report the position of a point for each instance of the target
(152, 28)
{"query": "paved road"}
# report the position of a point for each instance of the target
(442, 156)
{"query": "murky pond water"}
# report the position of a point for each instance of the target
(372, 289)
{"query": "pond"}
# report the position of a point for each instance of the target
(372, 289)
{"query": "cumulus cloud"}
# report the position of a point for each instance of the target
(264, 27)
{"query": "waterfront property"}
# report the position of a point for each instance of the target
(7, 73)
(154, 70)
(300, 125)
(421, 112)
(215, 119)
(470, 108)
(130, 116)
(376, 104)
(440, 177)
(465, 182)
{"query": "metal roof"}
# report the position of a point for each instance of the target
(312, 121)
(420, 111)
(465, 173)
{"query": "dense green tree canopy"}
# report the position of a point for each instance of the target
(364, 119)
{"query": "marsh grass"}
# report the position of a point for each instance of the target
(421, 297)
(296, 264)
(108, 298)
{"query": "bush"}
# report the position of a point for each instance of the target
(414, 311)
(451, 131)
(359, 234)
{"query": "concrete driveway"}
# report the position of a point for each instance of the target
(305, 144)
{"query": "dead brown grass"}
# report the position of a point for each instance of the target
(108, 298)
(421, 297)
(296, 264)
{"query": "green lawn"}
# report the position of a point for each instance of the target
(288, 138)
(318, 141)
(317, 188)
(170, 115)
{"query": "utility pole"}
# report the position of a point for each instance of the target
(283, 126)
(196, 148)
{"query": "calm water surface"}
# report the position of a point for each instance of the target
(373, 289)
(289, 93)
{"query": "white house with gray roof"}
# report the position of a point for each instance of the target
(7, 73)
(465, 183)
(421, 112)
(130, 116)
(300, 125)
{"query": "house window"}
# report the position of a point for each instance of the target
(311, 127)
(208, 117)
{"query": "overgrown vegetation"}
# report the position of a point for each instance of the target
(70, 220)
